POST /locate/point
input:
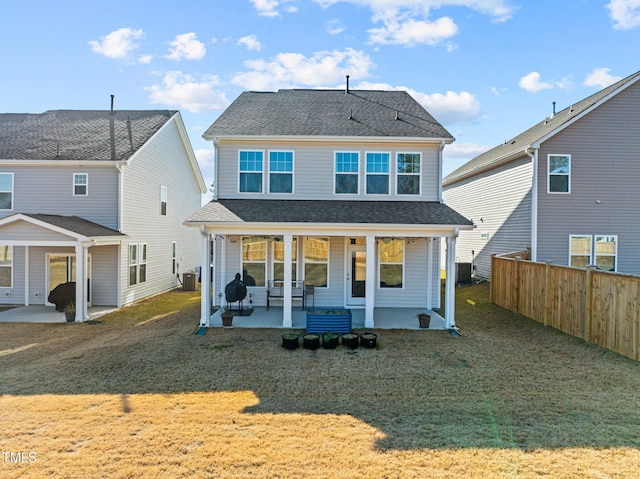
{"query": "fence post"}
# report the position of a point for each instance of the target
(588, 309)
(547, 294)
(517, 282)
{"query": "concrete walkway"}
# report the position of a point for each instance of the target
(45, 314)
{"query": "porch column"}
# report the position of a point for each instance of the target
(430, 273)
(26, 276)
(223, 268)
(450, 284)
(81, 301)
(370, 281)
(287, 321)
(205, 285)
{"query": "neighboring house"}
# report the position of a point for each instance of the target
(98, 198)
(567, 188)
(340, 189)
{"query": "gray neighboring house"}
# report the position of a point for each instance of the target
(98, 198)
(567, 188)
(339, 189)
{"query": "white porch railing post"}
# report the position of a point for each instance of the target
(205, 285)
(81, 302)
(287, 321)
(370, 283)
(450, 284)
(430, 273)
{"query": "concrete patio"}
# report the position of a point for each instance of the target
(45, 314)
(384, 318)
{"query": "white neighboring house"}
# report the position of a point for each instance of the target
(339, 189)
(567, 188)
(97, 198)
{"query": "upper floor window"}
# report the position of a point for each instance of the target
(391, 262)
(377, 173)
(598, 250)
(6, 266)
(559, 173)
(408, 174)
(6, 191)
(347, 166)
(281, 172)
(80, 184)
(164, 195)
(250, 171)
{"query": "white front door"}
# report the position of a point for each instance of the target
(356, 275)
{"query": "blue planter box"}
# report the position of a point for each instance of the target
(325, 320)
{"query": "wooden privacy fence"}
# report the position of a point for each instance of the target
(597, 306)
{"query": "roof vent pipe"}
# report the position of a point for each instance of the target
(553, 111)
(347, 90)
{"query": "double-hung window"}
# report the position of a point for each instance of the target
(347, 166)
(598, 250)
(559, 173)
(6, 266)
(316, 262)
(408, 174)
(254, 260)
(80, 184)
(164, 196)
(377, 173)
(251, 167)
(133, 264)
(391, 262)
(278, 260)
(142, 267)
(6, 191)
(280, 172)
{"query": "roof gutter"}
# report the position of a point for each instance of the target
(324, 138)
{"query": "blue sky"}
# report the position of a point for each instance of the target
(486, 69)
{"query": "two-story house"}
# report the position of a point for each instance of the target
(565, 188)
(97, 198)
(338, 189)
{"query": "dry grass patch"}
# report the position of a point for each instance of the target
(135, 397)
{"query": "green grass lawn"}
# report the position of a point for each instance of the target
(139, 395)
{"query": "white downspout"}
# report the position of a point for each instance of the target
(205, 281)
(534, 202)
(120, 194)
(440, 160)
(215, 170)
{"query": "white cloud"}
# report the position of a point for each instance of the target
(146, 59)
(186, 47)
(334, 27)
(288, 70)
(408, 22)
(117, 44)
(205, 157)
(450, 108)
(601, 77)
(269, 8)
(250, 42)
(183, 91)
(457, 154)
(531, 82)
(624, 13)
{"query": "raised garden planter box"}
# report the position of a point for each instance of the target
(325, 320)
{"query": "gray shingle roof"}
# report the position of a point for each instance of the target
(517, 145)
(329, 211)
(327, 113)
(76, 134)
(77, 225)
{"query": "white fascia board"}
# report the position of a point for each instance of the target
(43, 224)
(330, 229)
(328, 139)
(76, 163)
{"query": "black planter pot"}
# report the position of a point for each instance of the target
(330, 340)
(368, 340)
(350, 340)
(290, 341)
(425, 320)
(311, 341)
(70, 317)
